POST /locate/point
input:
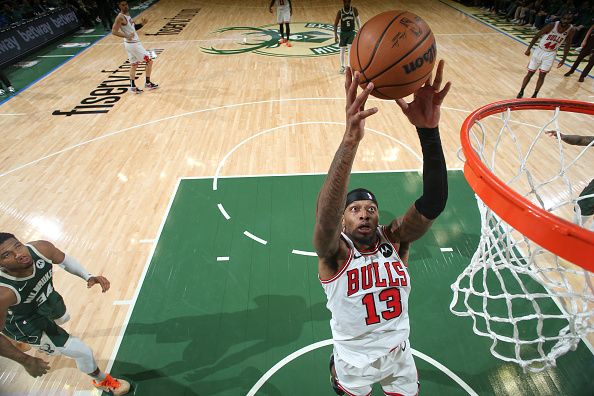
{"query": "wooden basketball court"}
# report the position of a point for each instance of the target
(95, 169)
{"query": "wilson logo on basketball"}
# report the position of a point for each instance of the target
(308, 39)
(428, 57)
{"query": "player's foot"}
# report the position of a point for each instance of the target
(534, 95)
(2, 92)
(11, 89)
(135, 90)
(112, 385)
(151, 85)
(333, 382)
(520, 94)
(288, 43)
(342, 70)
(282, 41)
(582, 78)
(569, 73)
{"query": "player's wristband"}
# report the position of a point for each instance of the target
(75, 268)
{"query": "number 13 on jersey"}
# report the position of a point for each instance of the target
(388, 299)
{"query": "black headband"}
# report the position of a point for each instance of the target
(360, 194)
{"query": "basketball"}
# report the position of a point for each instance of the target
(396, 51)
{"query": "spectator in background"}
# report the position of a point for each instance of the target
(105, 11)
(583, 21)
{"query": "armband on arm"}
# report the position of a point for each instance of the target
(75, 268)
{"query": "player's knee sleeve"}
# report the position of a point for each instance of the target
(63, 319)
(76, 349)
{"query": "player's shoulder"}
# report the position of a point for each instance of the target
(44, 247)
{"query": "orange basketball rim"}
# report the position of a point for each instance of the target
(561, 237)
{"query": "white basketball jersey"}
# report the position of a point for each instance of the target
(129, 28)
(553, 40)
(368, 299)
(283, 5)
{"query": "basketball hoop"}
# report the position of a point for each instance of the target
(530, 252)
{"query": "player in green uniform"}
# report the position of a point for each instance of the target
(586, 200)
(347, 16)
(31, 311)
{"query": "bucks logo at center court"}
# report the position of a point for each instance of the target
(308, 39)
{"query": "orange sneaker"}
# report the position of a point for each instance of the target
(282, 41)
(116, 386)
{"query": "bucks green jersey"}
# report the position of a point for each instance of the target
(347, 20)
(34, 292)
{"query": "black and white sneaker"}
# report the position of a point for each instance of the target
(135, 90)
(151, 85)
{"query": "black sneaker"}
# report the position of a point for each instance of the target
(151, 85)
(520, 94)
(333, 382)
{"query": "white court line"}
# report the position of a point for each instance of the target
(304, 253)
(446, 249)
(110, 134)
(146, 241)
(223, 211)
(122, 302)
(140, 282)
(185, 41)
(255, 238)
(237, 146)
(324, 343)
(55, 56)
(13, 114)
(223, 258)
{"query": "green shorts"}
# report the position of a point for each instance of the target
(38, 327)
(346, 38)
(587, 204)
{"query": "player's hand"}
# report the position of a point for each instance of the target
(424, 110)
(561, 63)
(130, 36)
(101, 280)
(36, 367)
(336, 38)
(270, 9)
(355, 107)
(527, 53)
(144, 21)
(553, 134)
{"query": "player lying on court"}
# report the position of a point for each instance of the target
(31, 311)
(363, 265)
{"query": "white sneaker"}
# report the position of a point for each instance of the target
(11, 89)
(342, 70)
(2, 92)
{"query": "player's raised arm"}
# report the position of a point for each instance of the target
(332, 197)
(70, 264)
(424, 113)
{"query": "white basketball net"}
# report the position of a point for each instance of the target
(534, 305)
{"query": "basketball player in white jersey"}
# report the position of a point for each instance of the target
(125, 27)
(363, 265)
(347, 16)
(284, 10)
(543, 57)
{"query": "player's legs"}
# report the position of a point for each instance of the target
(133, 87)
(281, 29)
(354, 381)
(288, 29)
(583, 53)
(588, 67)
(539, 82)
(149, 68)
(402, 377)
(525, 82)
